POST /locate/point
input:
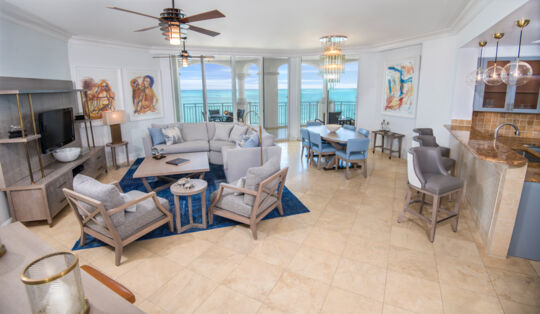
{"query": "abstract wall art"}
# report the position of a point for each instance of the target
(400, 87)
(103, 89)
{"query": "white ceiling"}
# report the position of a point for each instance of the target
(277, 24)
(531, 33)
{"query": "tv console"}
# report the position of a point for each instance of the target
(44, 199)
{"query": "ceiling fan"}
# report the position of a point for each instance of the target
(174, 24)
(184, 56)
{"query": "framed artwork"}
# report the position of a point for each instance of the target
(104, 88)
(400, 87)
(143, 97)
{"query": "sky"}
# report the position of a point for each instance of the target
(218, 77)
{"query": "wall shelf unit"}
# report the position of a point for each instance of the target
(26, 139)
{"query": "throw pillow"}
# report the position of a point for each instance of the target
(157, 136)
(107, 194)
(237, 133)
(127, 198)
(256, 175)
(252, 141)
(172, 135)
(222, 131)
(240, 184)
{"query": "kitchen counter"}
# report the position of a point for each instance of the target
(484, 147)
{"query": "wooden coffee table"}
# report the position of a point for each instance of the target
(197, 165)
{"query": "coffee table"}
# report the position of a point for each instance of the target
(150, 167)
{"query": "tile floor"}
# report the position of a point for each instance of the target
(348, 255)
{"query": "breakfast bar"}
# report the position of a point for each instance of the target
(494, 174)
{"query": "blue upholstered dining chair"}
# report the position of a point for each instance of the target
(304, 134)
(349, 127)
(313, 123)
(355, 152)
(364, 132)
(318, 146)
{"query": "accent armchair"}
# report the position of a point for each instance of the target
(104, 213)
(260, 194)
(355, 152)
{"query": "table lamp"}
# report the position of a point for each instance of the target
(114, 119)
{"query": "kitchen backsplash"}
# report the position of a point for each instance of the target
(528, 124)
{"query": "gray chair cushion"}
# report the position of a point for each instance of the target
(223, 130)
(216, 146)
(194, 132)
(147, 213)
(448, 163)
(236, 204)
(256, 175)
(439, 184)
(445, 151)
(107, 194)
(237, 133)
(184, 147)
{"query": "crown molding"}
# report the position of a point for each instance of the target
(77, 39)
(18, 16)
(469, 12)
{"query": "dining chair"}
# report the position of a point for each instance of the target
(349, 127)
(333, 117)
(428, 176)
(364, 132)
(304, 134)
(313, 123)
(317, 146)
(355, 152)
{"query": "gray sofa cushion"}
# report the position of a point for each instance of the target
(107, 194)
(223, 130)
(237, 133)
(216, 146)
(236, 204)
(256, 175)
(147, 213)
(184, 147)
(194, 132)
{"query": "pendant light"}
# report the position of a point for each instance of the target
(476, 76)
(494, 74)
(184, 55)
(519, 72)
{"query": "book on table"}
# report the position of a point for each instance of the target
(178, 161)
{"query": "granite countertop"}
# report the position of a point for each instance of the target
(482, 145)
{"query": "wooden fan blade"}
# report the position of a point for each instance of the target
(203, 31)
(146, 28)
(214, 14)
(138, 13)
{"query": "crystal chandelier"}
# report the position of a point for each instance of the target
(518, 72)
(332, 62)
(494, 74)
(476, 76)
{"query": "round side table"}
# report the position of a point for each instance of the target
(176, 190)
(113, 147)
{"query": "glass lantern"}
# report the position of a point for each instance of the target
(53, 284)
(519, 73)
(494, 75)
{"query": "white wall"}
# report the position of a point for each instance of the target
(83, 53)
(25, 52)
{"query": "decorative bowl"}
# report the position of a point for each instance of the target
(333, 127)
(67, 154)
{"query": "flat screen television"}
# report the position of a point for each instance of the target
(56, 128)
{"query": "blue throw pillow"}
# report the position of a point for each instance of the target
(157, 136)
(253, 141)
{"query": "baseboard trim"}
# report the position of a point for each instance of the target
(7, 222)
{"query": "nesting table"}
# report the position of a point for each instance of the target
(391, 136)
(177, 190)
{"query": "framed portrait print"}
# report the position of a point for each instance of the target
(143, 99)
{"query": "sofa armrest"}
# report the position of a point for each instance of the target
(147, 144)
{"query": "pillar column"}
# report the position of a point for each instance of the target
(271, 99)
(241, 100)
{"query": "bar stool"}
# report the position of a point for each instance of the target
(430, 141)
(428, 176)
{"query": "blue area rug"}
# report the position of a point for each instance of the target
(291, 204)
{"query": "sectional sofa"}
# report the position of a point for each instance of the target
(202, 137)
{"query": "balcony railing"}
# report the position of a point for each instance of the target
(193, 112)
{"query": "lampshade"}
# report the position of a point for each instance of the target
(114, 117)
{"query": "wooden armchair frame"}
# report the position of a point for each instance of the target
(260, 198)
(74, 200)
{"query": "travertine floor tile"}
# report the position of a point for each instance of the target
(225, 300)
(516, 287)
(341, 301)
(511, 307)
(217, 262)
(364, 250)
(361, 278)
(253, 278)
(327, 240)
(464, 275)
(414, 263)
(457, 301)
(315, 264)
(275, 251)
(413, 293)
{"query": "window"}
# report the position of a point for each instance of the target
(312, 91)
(191, 96)
(343, 95)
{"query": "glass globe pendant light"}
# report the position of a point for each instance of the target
(476, 76)
(519, 72)
(494, 74)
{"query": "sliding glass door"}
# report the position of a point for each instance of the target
(312, 97)
(343, 95)
(191, 92)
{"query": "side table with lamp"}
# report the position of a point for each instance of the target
(114, 119)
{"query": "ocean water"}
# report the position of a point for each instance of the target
(252, 95)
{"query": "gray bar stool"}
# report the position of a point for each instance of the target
(429, 141)
(428, 176)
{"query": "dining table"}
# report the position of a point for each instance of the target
(337, 139)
